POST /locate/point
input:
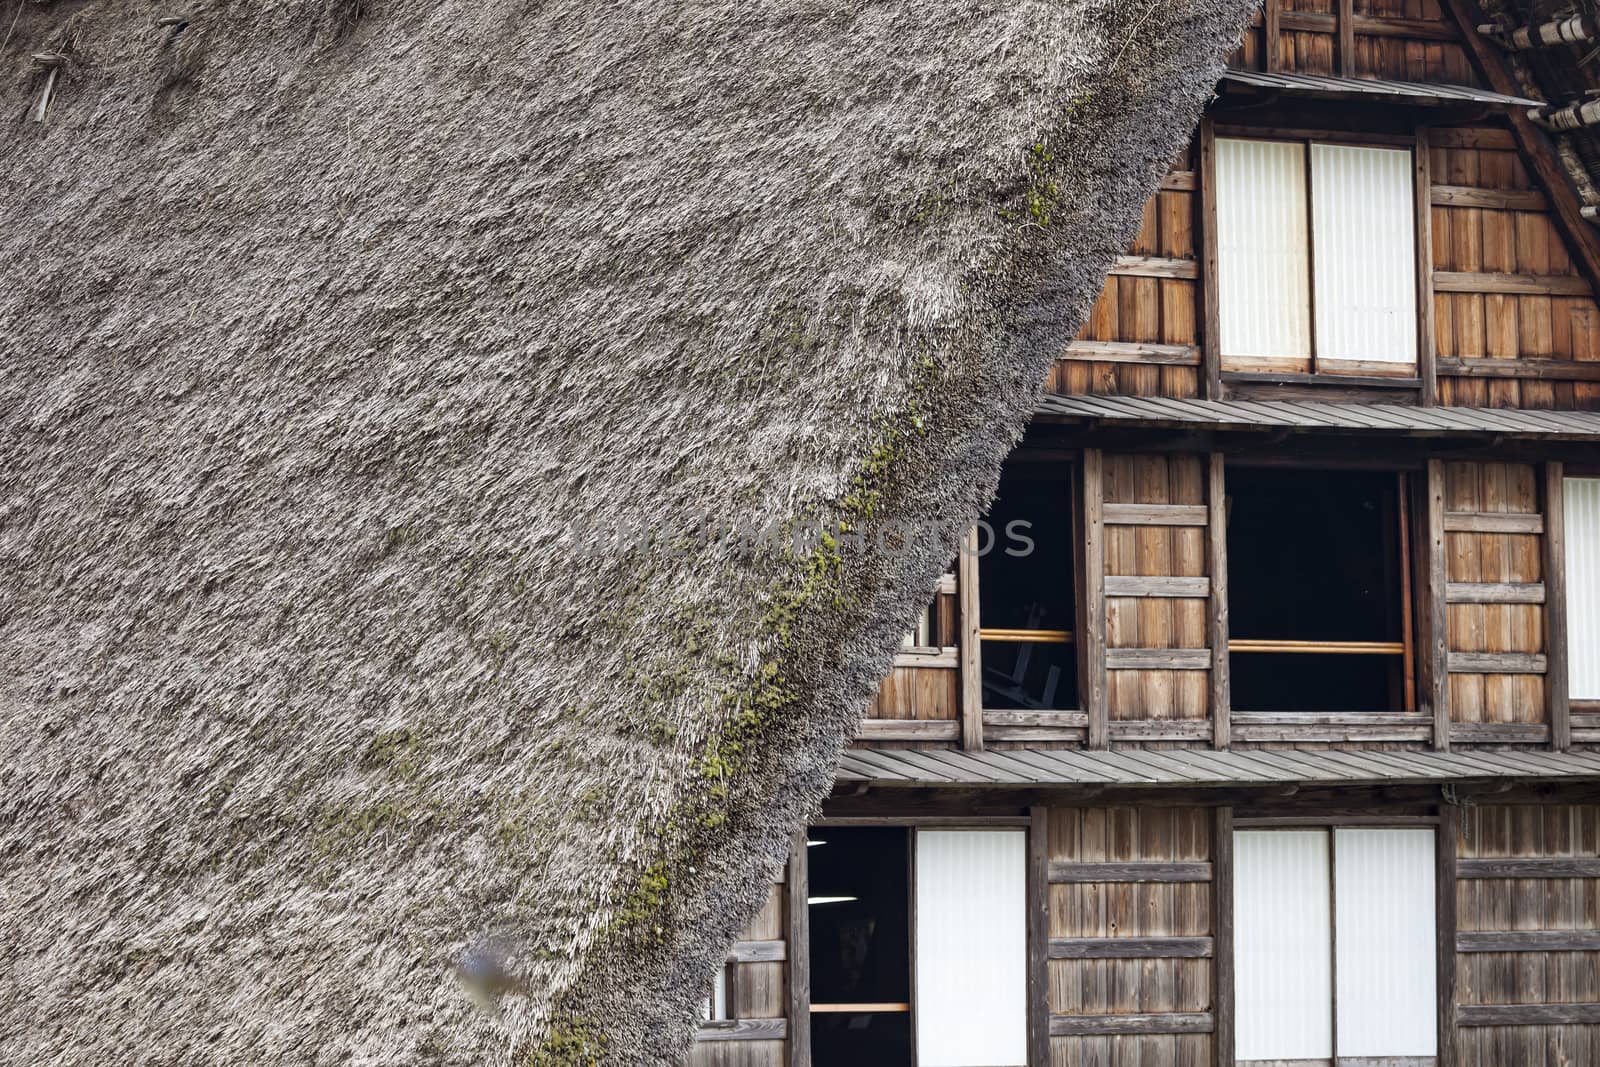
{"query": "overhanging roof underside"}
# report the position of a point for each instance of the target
(1319, 416)
(1195, 767)
(1330, 87)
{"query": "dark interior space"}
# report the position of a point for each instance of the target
(1025, 584)
(1315, 556)
(860, 945)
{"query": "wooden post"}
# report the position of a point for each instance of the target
(1269, 36)
(1435, 661)
(1210, 330)
(1093, 638)
(1427, 364)
(797, 952)
(1536, 147)
(1347, 38)
(1222, 935)
(798, 955)
(1217, 564)
(1556, 677)
(971, 645)
(1444, 907)
(1038, 935)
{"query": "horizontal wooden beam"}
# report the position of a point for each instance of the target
(1155, 267)
(1179, 181)
(1529, 941)
(1332, 718)
(1496, 663)
(1472, 137)
(1353, 733)
(1159, 729)
(1062, 872)
(1494, 592)
(1500, 733)
(944, 659)
(1527, 1014)
(1545, 370)
(1492, 199)
(1533, 867)
(1492, 522)
(744, 1030)
(1130, 948)
(1363, 25)
(1031, 717)
(908, 730)
(1453, 281)
(1156, 515)
(1173, 588)
(1134, 352)
(1172, 1022)
(1158, 659)
(758, 952)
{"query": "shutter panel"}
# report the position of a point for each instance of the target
(1363, 233)
(1384, 959)
(1263, 283)
(1582, 530)
(972, 953)
(1282, 954)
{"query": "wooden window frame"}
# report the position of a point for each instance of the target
(1036, 847)
(1410, 482)
(1357, 372)
(1444, 844)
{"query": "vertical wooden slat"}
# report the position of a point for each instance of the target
(1222, 935)
(1556, 677)
(1269, 35)
(971, 646)
(1217, 565)
(1210, 330)
(1436, 657)
(1445, 931)
(1093, 640)
(1038, 935)
(1347, 38)
(1426, 341)
(797, 953)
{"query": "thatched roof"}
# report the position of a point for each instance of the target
(330, 351)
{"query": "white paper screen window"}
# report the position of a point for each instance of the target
(1364, 245)
(1263, 269)
(1283, 1008)
(1582, 529)
(971, 993)
(1384, 956)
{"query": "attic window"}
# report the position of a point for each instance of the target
(1027, 597)
(1316, 258)
(1319, 597)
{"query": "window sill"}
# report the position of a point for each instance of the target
(1371, 381)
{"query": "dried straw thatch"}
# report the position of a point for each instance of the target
(329, 349)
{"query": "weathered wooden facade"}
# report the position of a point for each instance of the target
(1260, 721)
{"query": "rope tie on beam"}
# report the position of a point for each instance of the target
(1575, 29)
(1575, 116)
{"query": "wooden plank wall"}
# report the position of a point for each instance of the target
(1158, 658)
(1495, 597)
(1528, 935)
(1401, 40)
(1130, 946)
(1505, 287)
(920, 699)
(1141, 338)
(757, 996)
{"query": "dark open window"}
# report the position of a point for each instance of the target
(860, 894)
(1026, 594)
(1319, 597)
